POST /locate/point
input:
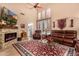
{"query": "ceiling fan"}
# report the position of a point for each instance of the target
(36, 6)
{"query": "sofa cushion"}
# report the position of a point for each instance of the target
(70, 36)
(68, 40)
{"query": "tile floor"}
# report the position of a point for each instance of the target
(9, 51)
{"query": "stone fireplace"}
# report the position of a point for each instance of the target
(8, 37)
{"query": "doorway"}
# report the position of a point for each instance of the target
(30, 30)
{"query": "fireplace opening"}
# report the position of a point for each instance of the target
(10, 36)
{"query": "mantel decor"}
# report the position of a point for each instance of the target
(62, 23)
(2, 26)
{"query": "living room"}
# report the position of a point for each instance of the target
(37, 25)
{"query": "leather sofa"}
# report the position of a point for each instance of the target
(66, 37)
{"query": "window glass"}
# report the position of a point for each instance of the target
(43, 14)
(48, 13)
(39, 15)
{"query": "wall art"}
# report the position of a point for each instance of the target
(62, 23)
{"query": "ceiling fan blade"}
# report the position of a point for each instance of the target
(39, 7)
(31, 8)
(31, 4)
(36, 5)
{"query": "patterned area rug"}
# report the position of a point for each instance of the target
(36, 48)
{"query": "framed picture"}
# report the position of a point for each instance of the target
(22, 25)
(8, 16)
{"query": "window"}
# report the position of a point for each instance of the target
(43, 14)
(44, 20)
(48, 13)
(30, 29)
(39, 15)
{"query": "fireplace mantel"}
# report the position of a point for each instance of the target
(4, 44)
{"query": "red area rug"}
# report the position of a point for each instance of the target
(37, 48)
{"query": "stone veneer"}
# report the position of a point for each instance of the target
(4, 44)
